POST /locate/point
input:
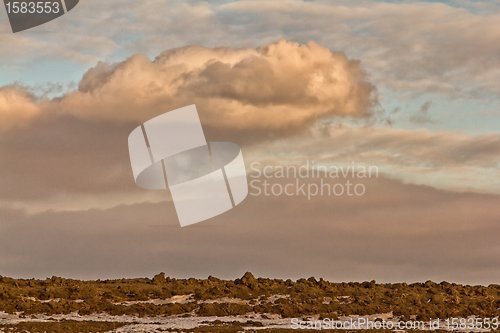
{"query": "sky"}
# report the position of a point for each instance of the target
(408, 87)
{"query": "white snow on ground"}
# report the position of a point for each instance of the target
(51, 300)
(181, 299)
(150, 324)
(180, 322)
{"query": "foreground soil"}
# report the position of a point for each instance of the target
(41, 305)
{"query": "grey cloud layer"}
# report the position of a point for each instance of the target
(67, 163)
(394, 232)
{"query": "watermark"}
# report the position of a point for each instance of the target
(361, 323)
(205, 179)
(24, 14)
(310, 180)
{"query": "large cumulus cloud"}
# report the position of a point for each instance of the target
(276, 89)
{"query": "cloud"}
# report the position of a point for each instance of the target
(274, 90)
(64, 163)
(74, 146)
(486, 112)
(422, 117)
(445, 160)
(393, 233)
(17, 106)
(409, 48)
(70, 153)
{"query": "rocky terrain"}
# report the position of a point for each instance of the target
(212, 305)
